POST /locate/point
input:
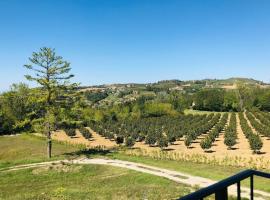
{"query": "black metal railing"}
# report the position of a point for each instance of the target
(220, 189)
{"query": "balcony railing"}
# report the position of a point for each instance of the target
(220, 189)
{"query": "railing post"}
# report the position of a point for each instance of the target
(251, 187)
(222, 194)
(238, 190)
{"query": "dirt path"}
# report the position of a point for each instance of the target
(176, 176)
(218, 145)
(242, 145)
(95, 141)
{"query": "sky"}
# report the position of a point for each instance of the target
(123, 41)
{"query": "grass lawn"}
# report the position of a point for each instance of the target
(25, 148)
(87, 182)
(213, 172)
(93, 182)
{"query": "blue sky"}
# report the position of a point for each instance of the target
(138, 40)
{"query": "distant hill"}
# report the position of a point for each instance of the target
(179, 84)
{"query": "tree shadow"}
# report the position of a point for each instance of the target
(261, 153)
(209, 151)
(133, 148)
(89, 152)
(168, 149)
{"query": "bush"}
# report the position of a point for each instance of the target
(229, 140)
(140, 138)
(188, 141)
(70, 132)
(85, 133)
(130, 142)
(119, 139)
(231, 132)
(163, 142)
(151, 139)
(65, 124)
(110, 135)
(255, 143)
(206, 144)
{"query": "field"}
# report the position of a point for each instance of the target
(25, 148)
(86, 182)
(237, 130)
(73, 181)
(97, 182)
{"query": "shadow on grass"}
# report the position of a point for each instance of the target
(89, 152)
(168, 149)
(260, 153)
(209, 151)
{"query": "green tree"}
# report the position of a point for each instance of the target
(209, 99)
(230, 140)
(188, 141)
(264, 101)
(18, 106)
(255, 143)
(129, 142)
(52, 73)
(231, 101)
(163, 142)
(206, 144)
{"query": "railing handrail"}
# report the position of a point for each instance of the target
(212, 189)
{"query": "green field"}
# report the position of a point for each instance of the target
(213, 172)
(28, 149)
(73, 182)
(92, 181)
(86, 182)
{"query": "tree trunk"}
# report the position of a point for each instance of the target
(49, 145)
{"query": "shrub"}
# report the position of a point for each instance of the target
(70, 132)
(119, 139)
(110, 135)
(206, 144)
(229, 140)
(151, 139)
(130, 142)
(171, 138)
(85, 133)
(163, 142)
(255, 143)
(140, 138)
(66, 124)
(188, 141)
(231, 132)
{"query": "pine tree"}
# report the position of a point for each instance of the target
(52, 73)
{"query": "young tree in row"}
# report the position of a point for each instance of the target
(52, 73)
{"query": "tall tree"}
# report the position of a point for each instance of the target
(52, 73)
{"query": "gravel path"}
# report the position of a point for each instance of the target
(169, 174)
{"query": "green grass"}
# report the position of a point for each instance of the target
(87, 182)
(213, 172)
(26, 148)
